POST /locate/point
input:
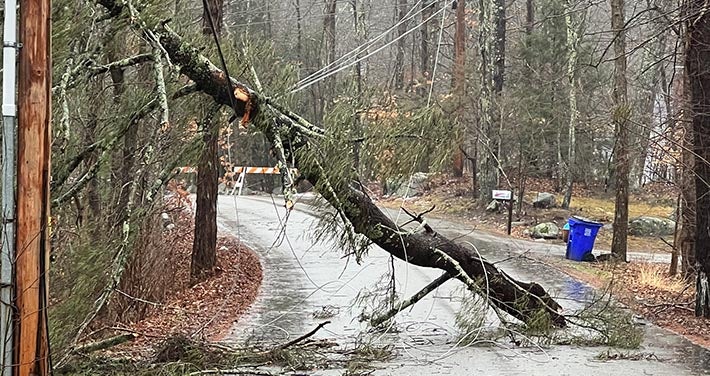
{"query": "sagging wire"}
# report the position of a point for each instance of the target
(230, 85)
(357, 50)
(364, 57)
(438, 53)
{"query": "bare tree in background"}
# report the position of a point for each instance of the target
(574, 21)
(401, 12)
(459, 82)
(620, 118)
(492, 48)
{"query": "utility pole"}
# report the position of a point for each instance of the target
(9, 121)
(33, 136)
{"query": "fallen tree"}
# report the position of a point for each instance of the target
(298, 143)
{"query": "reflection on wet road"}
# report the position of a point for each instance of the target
(306, 283)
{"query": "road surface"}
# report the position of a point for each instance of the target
(307, 282)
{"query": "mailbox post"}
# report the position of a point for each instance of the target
(507, 196)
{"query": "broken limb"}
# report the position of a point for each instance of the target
(105, 343)
(419, 218)
(303, 337)
(522, 300)
(433, 285)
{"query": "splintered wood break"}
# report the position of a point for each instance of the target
(243, 96)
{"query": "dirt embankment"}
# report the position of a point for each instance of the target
(647, 288)
(205, 310)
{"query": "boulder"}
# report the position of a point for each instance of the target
(166, 220)
(651, 226)
(544, 200)
(411, 187)
(547, 230)
(493, 206)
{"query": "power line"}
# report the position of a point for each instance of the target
(324, 76)
(436, 60)
(232, 100)
(363, 46)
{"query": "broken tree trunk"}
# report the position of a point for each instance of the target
(289, 132)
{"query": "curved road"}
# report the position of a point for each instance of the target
(307, 282)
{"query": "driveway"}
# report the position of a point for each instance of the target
(307, 282)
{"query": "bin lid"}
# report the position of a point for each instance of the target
(581, 220)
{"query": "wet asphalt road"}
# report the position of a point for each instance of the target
(307, 282)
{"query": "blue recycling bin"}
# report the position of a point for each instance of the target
(582, 234)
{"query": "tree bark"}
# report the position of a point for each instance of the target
(685, 236)
(492, 45)
(529, 16)
(696, 62)
(424, 54)
(401, 43)
(459, 83)
(216, 8)
(356, 131)
(329, 22)
(620, 119)
(684, 240)
(204, 246)
(573, 22)
(299, 30)
(654, 78)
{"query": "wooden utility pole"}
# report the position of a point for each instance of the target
(34, 105)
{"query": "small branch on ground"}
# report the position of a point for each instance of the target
(433, 285)
(234, 371)
(303, 337)
(105, 343)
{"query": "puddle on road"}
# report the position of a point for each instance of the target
(303, 281)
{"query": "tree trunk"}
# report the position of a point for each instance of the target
(425, 55)
(459, 83)
(356, 131)
(492, 45)
(620, 119)
(685, 237)
(573, 42)
(299, 31)
(644, 130)
(216, 8)
(685, 233)
(401, 43)
(529, 16)
(329, 40)
(696, 62)
(204, 246)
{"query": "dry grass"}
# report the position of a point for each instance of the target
(602, 209)
(656, 276)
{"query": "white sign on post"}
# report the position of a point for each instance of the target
(502, 195)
